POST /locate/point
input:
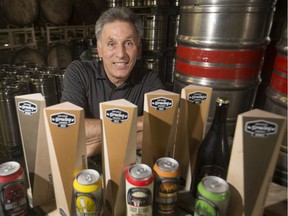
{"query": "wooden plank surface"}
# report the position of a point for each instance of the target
(276, 202)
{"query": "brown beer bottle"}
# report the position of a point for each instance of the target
(213, 154)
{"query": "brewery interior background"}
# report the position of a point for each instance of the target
(38, 39)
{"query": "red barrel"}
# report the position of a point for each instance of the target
(277, 90)
(219, 46)
(231, 72)
(223, 64)
(277, 102)
(279, 76)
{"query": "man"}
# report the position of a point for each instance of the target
(120, 73)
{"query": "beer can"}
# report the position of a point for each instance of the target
(139, 190)
(88, 194)
(166, 186)
(212, 197)
(13, 191)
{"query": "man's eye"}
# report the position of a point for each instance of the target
(111, 44)
(129, 44)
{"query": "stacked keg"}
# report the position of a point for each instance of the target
(172, 32)
(154, 39)
(10, 139)
(19, 80)
(279, 21)
(159, 42)
(114, 3)
(277, 90)
(84, 49)
(132, 3)
(154, 42)
(277, 101)
(221, 44)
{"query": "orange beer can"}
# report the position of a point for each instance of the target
(166, 186)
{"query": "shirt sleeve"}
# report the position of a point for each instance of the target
(154, 82)
(74, 89)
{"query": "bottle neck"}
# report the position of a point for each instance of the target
(220, 114)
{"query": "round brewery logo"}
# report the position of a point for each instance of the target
(27, 107)
(63, 120)
(197, 97)
(161, 103)
(116, 115)
(261, 128)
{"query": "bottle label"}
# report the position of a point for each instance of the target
(205, 207)
(166, 196)
(212, 170)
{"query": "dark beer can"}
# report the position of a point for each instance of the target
(88, 194)
(166, 186)
(139, 190)
(212, 197)
(13, 192)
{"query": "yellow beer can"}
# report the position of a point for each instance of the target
(88, 193)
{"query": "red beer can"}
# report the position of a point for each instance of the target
(13, 192)
(139, 190)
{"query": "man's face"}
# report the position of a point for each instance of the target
(119, 48)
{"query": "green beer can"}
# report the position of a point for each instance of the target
(212, 197)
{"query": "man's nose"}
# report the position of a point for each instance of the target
(121, 51)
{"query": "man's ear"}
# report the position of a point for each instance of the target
(99, 50)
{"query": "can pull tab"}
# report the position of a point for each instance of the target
(215, 184)
(7, 168)
(141, 170)
(88, 178)
(168, 164)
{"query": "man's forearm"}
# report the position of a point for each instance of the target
(139, 136)
(93, 129)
